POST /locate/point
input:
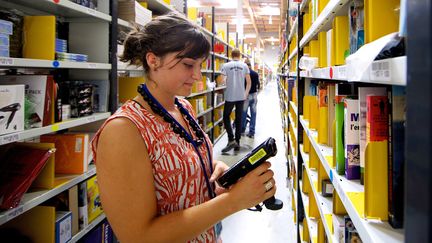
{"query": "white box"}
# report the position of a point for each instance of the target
(11, 108)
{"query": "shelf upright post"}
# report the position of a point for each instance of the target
(213, 74)
(418, 167)
(113, 92)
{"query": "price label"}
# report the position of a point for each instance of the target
(342, 73)
(92, 65)
(91, 118)
(55, 127)
(380, 71)
(10, 138)
(15, 212)
(6, 61)
(91, 11)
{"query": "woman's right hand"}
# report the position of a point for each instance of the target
(250, 190)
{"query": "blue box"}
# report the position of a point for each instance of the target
(63, 226)
(4, 51)
(4, 40)
(6, 27)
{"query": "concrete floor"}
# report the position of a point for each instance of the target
(266, 226)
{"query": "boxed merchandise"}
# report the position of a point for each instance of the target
(11, 108)
(134, 12)
(72, 152)
(6, 27)
(94, 207)
(39, 95)
(63, 227)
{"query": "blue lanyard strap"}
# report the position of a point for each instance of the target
(188, 136)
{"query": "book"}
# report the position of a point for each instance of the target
(331, 91)
(377, 118)
(363, 92)
(72, 152)
(322, 59)
(19, 166)
(352, 139)
(82, 205)
(356, 23)
(397, 119)
(323, 113)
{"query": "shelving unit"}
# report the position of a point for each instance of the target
(389, 72)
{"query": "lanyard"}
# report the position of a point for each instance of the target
(189, 137)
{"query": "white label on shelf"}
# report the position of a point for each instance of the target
(10, 138)
(15, 212)
(91, 118)
(91, 11)
(342, 72)
(380, 71)
(92, 65)
(6, 61)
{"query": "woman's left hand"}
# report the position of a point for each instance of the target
(219, 168)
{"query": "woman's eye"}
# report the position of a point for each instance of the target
(188, 65)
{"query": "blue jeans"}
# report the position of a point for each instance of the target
(251, 103)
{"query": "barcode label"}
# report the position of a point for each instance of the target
(9, 138)
(92, 65)
(380, 71)
(15, 212)
(6, 61)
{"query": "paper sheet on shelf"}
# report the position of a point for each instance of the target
(359, 62)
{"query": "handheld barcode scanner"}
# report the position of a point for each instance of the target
(252, 160)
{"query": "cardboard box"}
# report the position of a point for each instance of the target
(11, 108)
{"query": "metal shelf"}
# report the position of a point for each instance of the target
(9, 62)
(220, 56)
(220, 137)
(160, 6)
(324, 204)
(122, 66)
(206, 71)
(18, 136)
(220, 88)
(199, 93)
(391, 71)
(220, 104)
(33, 199)
(218, 121)
(294, 107)
(87, 229)
(369, 230)
(205, 112)
(312, 223)
(324, 20)
(63, 8)
(293, 30)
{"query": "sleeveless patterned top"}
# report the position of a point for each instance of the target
(178, 177)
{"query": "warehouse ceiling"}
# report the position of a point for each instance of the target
(262, 19)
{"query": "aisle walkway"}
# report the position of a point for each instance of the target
(266, 226)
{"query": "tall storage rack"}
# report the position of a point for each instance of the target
(95, 33)
(90, 34)
(411, 71)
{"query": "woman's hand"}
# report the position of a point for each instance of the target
(219, 168)
(251, 190)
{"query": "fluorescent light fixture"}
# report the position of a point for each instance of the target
(267, 10)
(270, 20)
(225, 4)
(193, 3)
(250, 35)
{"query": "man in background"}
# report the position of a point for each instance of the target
(251, 102)
(234, 73)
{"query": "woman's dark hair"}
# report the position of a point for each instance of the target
(165, 34)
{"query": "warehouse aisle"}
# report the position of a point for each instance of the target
(267, 226)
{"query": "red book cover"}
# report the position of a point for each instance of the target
(49, 102)
(377, 118)
(19, 167)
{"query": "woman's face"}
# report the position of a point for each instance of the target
(176, 76)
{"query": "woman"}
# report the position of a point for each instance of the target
(154, 163)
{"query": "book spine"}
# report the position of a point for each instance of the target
(339, 138)
(396, 157)
(351, 132)
(377, 118)
(82, 205)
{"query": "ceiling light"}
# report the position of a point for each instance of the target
(193, 3)
(267, 10)
(270, 20)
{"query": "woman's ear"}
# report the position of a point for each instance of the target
(153, 61)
